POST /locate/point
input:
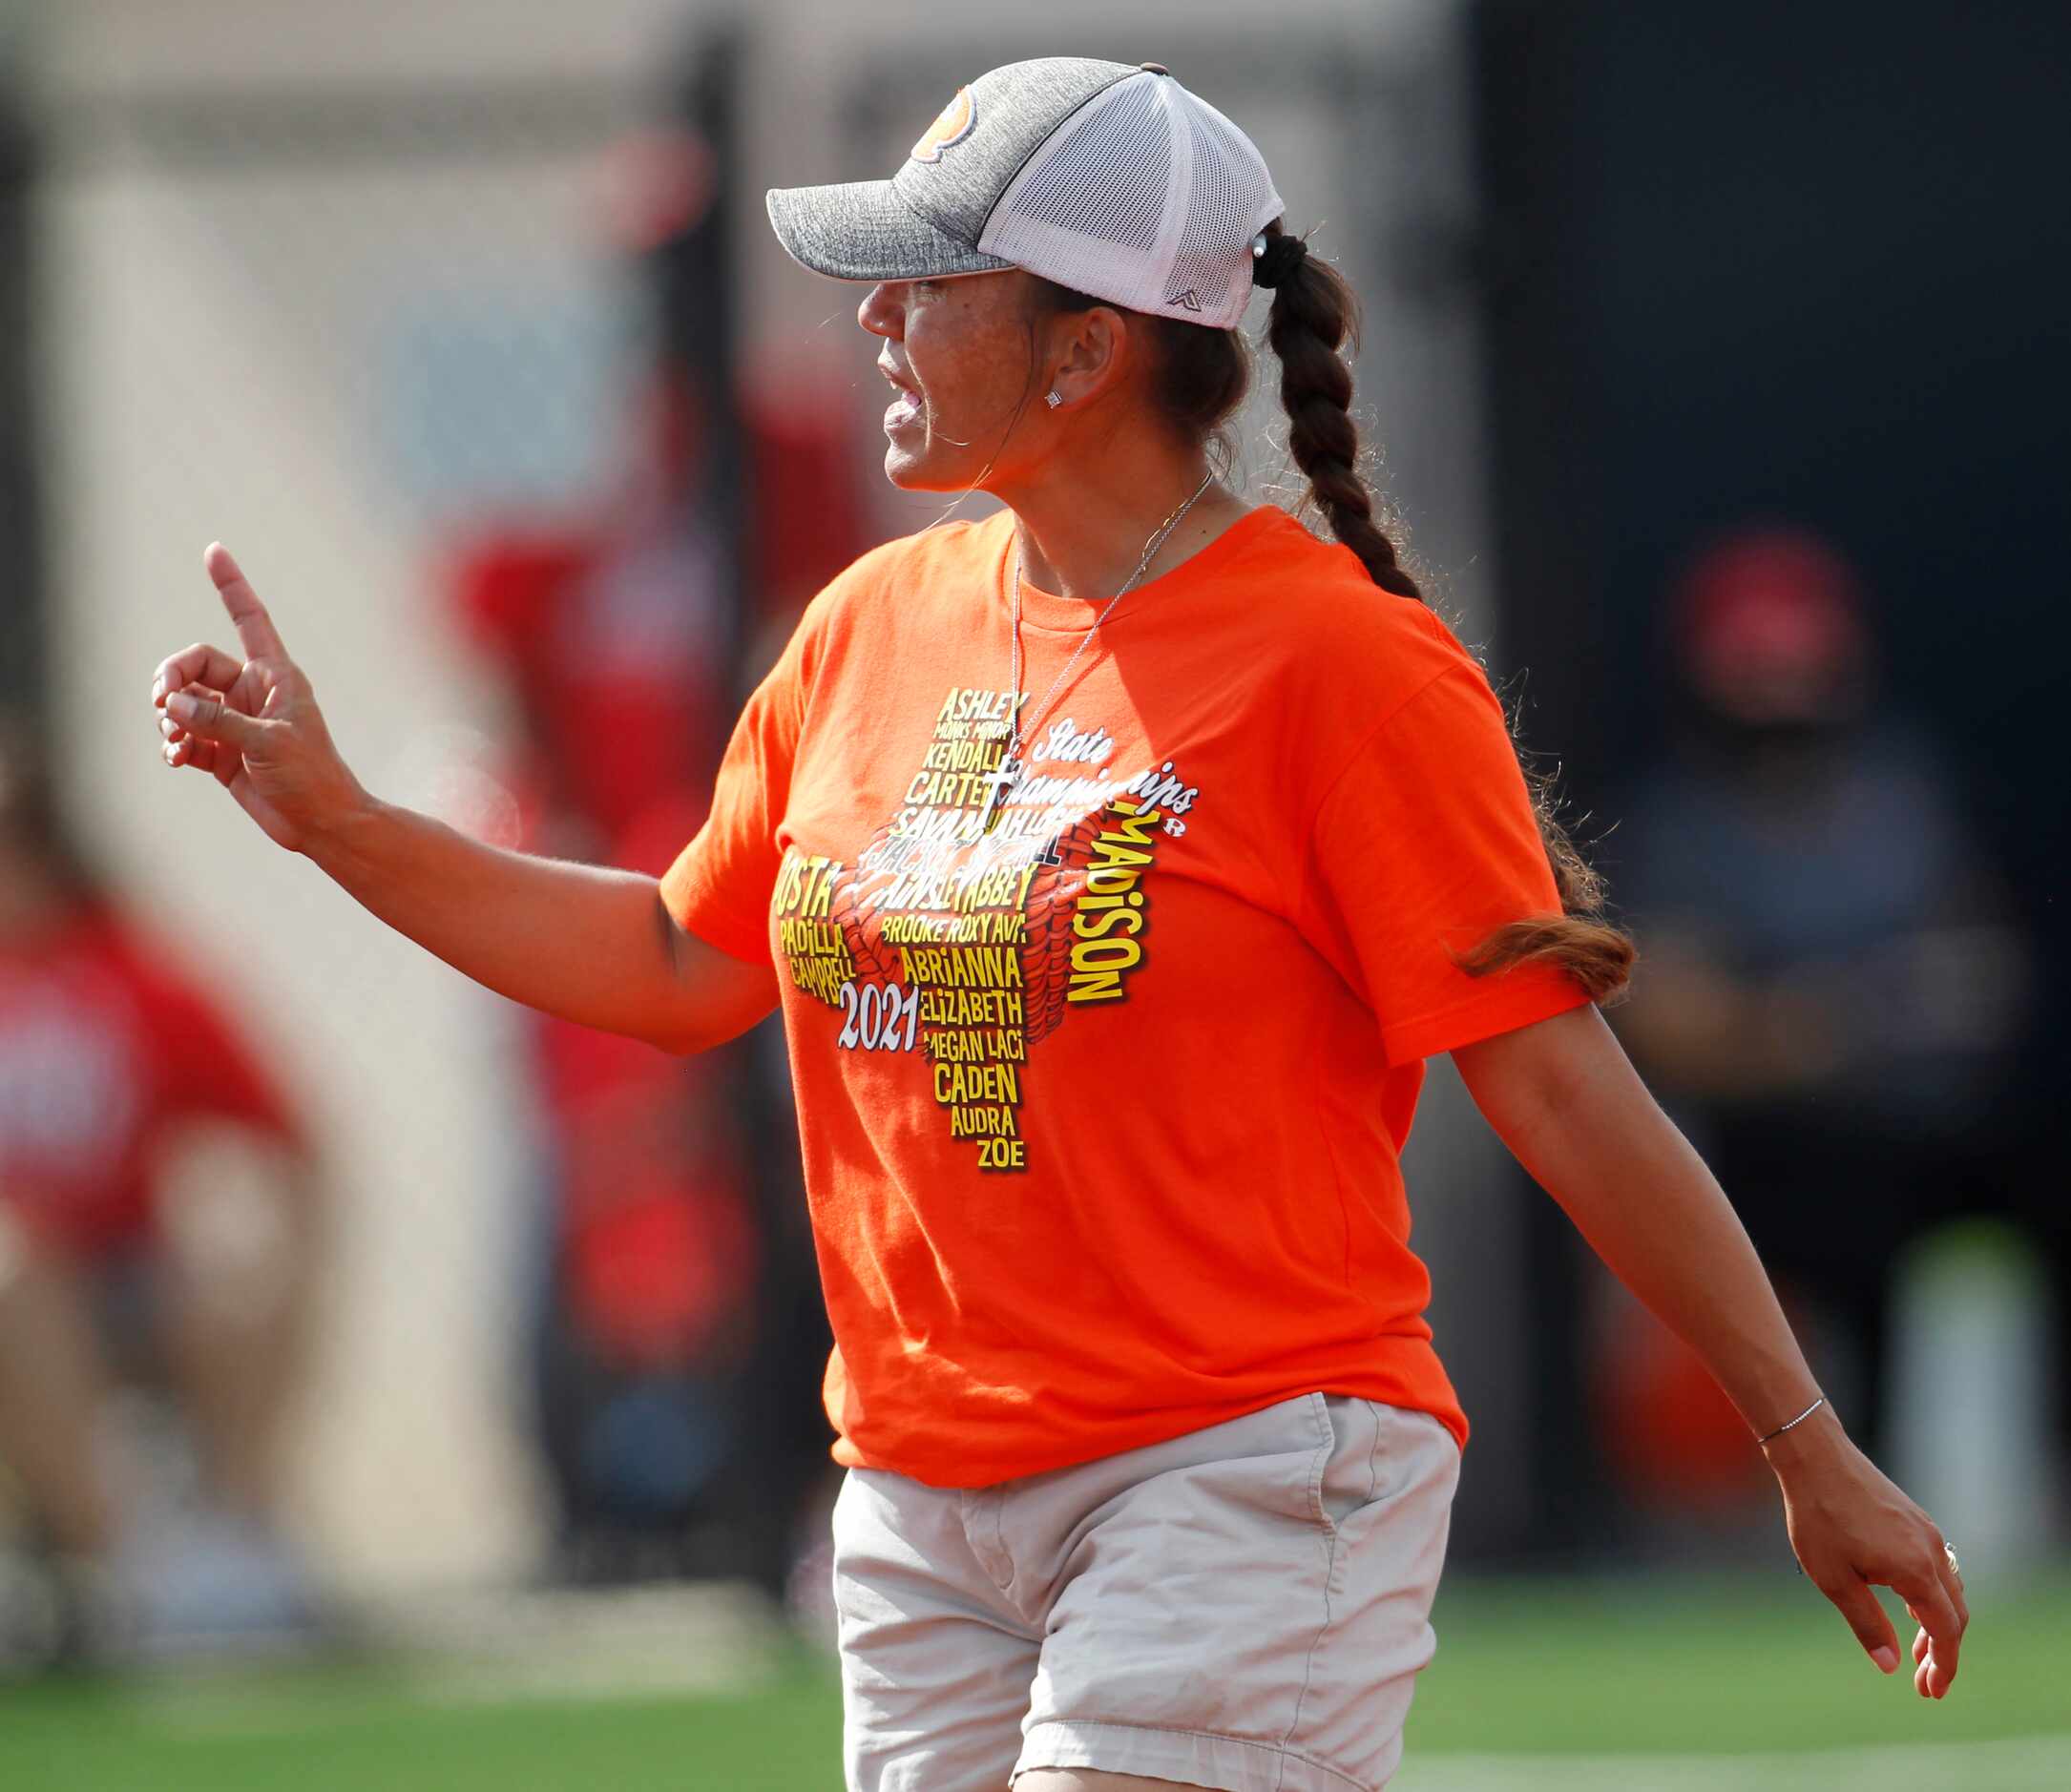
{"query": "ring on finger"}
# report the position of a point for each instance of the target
(1948, 1552)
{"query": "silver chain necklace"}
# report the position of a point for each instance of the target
(1009, 776)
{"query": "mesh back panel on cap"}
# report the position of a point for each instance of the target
(1145, 197)
(1109, 177)
(1215, 236)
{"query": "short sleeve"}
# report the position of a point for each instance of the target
(1422, 846)
(720, 883)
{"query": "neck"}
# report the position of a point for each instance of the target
(1083, 517)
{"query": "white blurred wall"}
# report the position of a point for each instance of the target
(219, 364)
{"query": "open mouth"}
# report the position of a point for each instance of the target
(906, 405)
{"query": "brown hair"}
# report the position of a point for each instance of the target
(1200, 378)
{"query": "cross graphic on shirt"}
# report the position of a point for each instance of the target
(1000, 786)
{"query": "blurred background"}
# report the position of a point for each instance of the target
(393, 1384)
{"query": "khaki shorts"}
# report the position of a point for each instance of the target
(1246, 1607)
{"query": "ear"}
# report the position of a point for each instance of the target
(1090, 353)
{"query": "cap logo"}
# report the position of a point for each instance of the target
(953, 126)
(1189, 300)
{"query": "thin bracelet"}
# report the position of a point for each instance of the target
(1799, 1420)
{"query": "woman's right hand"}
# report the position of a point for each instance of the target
(253, 724)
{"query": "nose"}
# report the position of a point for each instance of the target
(883, 311)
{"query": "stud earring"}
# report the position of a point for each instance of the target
(1055, 399)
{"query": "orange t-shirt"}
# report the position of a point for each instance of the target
(1101, 1090)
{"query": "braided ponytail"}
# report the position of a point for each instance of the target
(1314, 315)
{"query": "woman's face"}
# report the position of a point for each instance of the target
(957, 355)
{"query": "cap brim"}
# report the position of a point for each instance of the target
(863, 230)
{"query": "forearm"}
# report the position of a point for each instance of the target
(1584, 1126)
(1563, 1098)
(581, 942)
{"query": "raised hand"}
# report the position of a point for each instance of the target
(253, 724)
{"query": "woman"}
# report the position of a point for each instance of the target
(113, 1281)
(1117, 863)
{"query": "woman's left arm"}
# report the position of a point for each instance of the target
(1563, 1097)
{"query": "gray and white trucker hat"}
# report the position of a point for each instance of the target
(1108, 179)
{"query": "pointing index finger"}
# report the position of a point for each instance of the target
(256, 632)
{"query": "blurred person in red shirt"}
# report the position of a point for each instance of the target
(615, 632)
(117, 1268)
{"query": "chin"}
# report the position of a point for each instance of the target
(912, 473)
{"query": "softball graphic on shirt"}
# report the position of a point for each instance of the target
(999, 899)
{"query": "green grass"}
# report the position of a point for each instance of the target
(1677, 1665)
(361, 1732)
(1656, 1665)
